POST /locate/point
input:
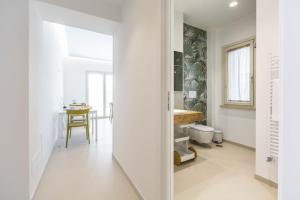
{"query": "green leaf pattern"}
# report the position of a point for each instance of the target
(195, 68)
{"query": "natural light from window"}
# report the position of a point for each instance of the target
(239, 75)
(100, 92)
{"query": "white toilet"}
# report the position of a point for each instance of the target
(201, 134)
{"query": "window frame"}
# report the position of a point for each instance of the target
(225, 50)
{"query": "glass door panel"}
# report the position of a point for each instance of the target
(108, 93)
(96, 92)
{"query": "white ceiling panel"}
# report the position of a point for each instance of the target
(213, 13)
(88, 44)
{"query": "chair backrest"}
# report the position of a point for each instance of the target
(82, 111)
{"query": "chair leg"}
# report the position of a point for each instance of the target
(70, 133)
(88, 134)
(67, 138)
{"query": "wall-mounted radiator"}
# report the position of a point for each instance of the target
(274, 109)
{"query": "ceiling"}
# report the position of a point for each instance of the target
(87, 44)
(213, 13)
(114, 2)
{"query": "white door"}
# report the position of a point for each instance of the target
(100, 92)
(108, 93)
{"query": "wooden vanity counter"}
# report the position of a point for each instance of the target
(187, 117)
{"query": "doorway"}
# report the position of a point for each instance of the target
(197, 70)
(71, 67)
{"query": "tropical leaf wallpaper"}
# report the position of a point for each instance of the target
(195, 68)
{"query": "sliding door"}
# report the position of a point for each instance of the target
(100, 92)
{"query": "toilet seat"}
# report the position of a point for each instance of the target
(203, 128)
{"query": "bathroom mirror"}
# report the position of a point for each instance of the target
(178, 71)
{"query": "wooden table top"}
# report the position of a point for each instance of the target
(78, 107)
(187, 116)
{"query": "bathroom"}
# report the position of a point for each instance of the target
(214, 101)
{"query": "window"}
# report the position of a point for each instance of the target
(239, 76)
(96, 92)
(100, 92)
(108, 92)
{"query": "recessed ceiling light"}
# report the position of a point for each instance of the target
(233, 4)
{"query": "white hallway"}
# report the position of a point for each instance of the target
(85, 171)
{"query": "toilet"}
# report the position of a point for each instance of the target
(201, 134)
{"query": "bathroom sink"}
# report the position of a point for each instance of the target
(178, 111)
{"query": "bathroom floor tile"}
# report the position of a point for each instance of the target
(221, 173)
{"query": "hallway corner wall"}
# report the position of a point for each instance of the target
(289, 161)
(267, 42)
(14, 143)
(137, 127)
(45, 93)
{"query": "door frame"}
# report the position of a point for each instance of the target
(167, 100)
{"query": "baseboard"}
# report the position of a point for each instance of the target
(131, 183)
(266, 181)
(238, 144)
(32, 193)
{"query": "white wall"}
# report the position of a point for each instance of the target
(99, 8)
(45, 93)
(75, 73)
(267, 42)
(178, 46)
(68, 17)
(211, 60)
(138, 109)
(289, 160)
(178, 31)
(238, 125)
(14, 167)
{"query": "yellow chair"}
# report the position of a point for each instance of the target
(78, 105)
(82, 122)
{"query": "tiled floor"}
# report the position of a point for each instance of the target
(88, 172)
(85, 172)
(221, 174)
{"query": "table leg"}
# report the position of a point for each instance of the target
(58, 125)
(94, 116)
(61, 126)
(96, 125)
(63, 123)
(92, 120)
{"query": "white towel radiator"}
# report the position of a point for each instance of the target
(273, 109)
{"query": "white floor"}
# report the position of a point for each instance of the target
(85, 171)
(89, 172)
(221, 174)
